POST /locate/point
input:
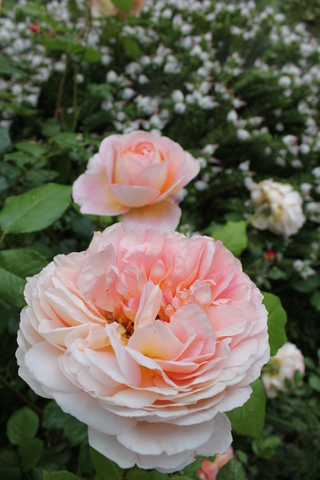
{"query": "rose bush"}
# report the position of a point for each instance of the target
(283, 365)
(278, 206)
(136, 175)
(147, 337)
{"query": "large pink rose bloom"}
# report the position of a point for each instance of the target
(137, 176)
(147, 337)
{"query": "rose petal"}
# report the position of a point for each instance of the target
(133, 196)
(162, 216)
(94, 196)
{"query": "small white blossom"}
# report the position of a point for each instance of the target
(243, 134)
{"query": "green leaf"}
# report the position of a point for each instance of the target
(20, 157)
(65, 139)
(131, 47)
(249, 419)
(266, 447)
(9, 465)
(308, 284)
(233, 236)
(4, 317)
(15, 266)
(124, 5)
(32, 10)
(36, 209)
(92, 56)
(76, 432)
(314, 382)
(194, 466)
(32, 148)
(277, 319)
(53, 417)
(105, 468)
(5, 141)
(137, 474)
(233, 470)
(50, 128)
(315, 300)
(63, 475)
(7, 67)
(30, 453)
(22, 425)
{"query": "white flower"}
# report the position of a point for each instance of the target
(278, 206)
(304, 149)
(179, 107)
(232, 116)
(243, 134)
(316, 172)
(288, 360)
(285, 81)
(112, 77)
(177, 96)
(289, 140)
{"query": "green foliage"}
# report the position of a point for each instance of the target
(105, 468)
(59, 476)
(9, 465)
(277, 319)
(124, 5)
(22, 426)
(265, 447)
(233, 236)
(30, 452)
(15, 266)
(233, 470)
(36, 209)
(249, 419)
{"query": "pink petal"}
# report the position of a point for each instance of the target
(134, 196)
(92, 276)
(109, 446)
(156, 341)
(149, 307)
(154, 175)
(155, 439)
(162, 216)
(94, 196)
(120, 173)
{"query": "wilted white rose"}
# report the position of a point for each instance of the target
(278, 207)
(288, 360)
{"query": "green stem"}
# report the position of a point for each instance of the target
(291, 424)
(61, 87)
(20, 395)
(2, 236)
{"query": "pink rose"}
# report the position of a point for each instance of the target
(147, 337)
(137, 176)
(209, 470)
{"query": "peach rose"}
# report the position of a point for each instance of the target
(283, 365)
(106, 8)
(147, 337)
(209, 470)
(137, 176)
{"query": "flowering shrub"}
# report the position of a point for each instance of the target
(234, 84)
